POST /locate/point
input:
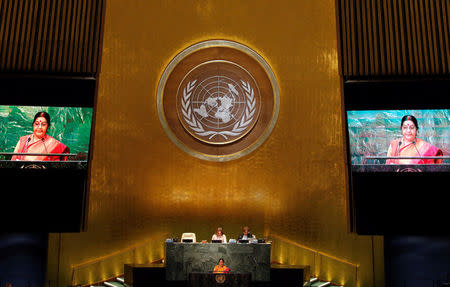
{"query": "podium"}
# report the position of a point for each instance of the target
(185, 258)
(145, 275)
(198, 279)
(289, 275)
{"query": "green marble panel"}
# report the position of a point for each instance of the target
(185, 258)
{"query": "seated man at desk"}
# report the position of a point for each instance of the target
(221, 268)
(246, 235)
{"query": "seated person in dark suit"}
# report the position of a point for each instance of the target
(246, 235)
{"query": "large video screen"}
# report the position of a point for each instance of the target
(45, 134)
(406, 140)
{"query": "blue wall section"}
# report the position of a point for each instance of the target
(23, 259)
(413, 261)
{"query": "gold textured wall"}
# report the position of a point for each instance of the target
(292, 189)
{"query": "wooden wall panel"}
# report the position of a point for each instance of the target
(50, 36)
(394, 37)
(293, 186)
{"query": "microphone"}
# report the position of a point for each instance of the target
(43, 141)
(25, 147)
(414, 143)
(398, 148)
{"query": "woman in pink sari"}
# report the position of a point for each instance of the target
(40, 142)
(411, 146)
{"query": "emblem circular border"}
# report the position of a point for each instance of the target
(234, 47)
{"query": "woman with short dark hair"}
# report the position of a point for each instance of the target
(409, 145)
(39, 142)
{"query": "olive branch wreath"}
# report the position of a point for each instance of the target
(240, 125)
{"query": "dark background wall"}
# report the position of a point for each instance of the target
(417, 261)
(407, 40)
(49, 56)
(23, 259)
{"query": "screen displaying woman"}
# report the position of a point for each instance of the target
(40, 143)
(409, 145)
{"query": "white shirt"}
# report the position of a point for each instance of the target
(223, 238)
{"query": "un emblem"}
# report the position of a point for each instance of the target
(218, 100)
(220, 279)
(218, 106)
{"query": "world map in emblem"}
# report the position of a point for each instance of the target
(218, 100)
(218, 103)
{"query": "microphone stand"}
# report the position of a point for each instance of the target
(414, 143)
(26, 145)
(398, 150)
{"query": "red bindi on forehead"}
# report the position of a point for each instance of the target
(409, 124)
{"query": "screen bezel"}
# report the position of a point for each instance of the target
(380, 155)
(51, 90)
(48, 90)
(392, 94)
(74, 155)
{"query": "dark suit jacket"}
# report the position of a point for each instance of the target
(249, 235)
